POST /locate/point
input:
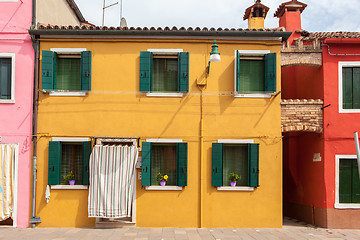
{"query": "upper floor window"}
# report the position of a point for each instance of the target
(255, 73)
(66, 70)
(164, 71)
(7, 77)
(349, 85)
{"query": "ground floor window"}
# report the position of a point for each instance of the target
(167, 159)
(241, 159)
(349, 181)
(69, 159)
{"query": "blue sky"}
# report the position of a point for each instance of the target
(320, 15)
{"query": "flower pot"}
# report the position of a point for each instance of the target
(233, 184)
(72, 182)
(162, 183)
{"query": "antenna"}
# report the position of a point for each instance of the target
(121, 10)
(104, 7)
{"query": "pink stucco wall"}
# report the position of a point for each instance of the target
(16, 118)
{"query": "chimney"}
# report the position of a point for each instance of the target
(289, 14)
(256, 15)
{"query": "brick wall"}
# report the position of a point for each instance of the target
(302, 115)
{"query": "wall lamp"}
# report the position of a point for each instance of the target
(214, 55)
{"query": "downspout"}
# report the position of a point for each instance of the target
(34, 219)
(201, 161)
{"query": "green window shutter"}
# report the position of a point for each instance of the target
(356, 88)
(253, 158)
(237, 71)
(217, 165)
(146, 62)
(146, 164)
(182, 156)
(85, 71)
(355, 186)
(345, 179)
(86, 151)
(54, 163)
(270, 72)
(347, 88)
(48, 70)
(183, 72)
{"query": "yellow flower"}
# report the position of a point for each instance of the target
(166, 177)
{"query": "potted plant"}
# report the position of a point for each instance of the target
(162, 179)
(70, 177)
(233, 177)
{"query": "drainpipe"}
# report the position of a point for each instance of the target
(356, 136)
(34, 219)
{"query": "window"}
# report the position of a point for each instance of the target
(166, 158)
(349, 181)
(66, 70)
(240, 158)
(66, 156)
(255, 73)
(7, 77)
(164, 71)
(349, 86)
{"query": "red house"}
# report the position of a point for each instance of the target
(321, 178)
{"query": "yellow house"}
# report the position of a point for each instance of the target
(153, 93)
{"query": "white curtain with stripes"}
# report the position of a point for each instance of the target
(112, 181)
(7, 160)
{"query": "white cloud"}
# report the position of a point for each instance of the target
(320, 15)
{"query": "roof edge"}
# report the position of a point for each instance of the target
(283, 34)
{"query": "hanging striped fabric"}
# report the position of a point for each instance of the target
(112, 181)
(7, 157)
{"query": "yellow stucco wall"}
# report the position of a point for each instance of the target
(115, 108)
(256, 22)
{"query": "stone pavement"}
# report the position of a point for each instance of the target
(292, 230)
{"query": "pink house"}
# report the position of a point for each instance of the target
(16, 91)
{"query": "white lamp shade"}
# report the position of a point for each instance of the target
(214, 58)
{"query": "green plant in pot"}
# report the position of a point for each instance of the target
(233, 177)
(162, 179)
(70, 177)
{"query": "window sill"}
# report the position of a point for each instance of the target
(164, 188)
(347, 205)
(73, 187)
(7, 101)
(158, 94)
(252, 95)
(67, 94)
(349, 110)
(243, 189)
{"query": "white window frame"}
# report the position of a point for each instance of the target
(341, 65)
(236, 188)
(165, 94)
(339, 205)
(12, 56)
(162, 188)
(9, 0)
(71, 187)
(64, 93)
(250, 53)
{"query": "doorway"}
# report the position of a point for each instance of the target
(9, 154)
(126, 160)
